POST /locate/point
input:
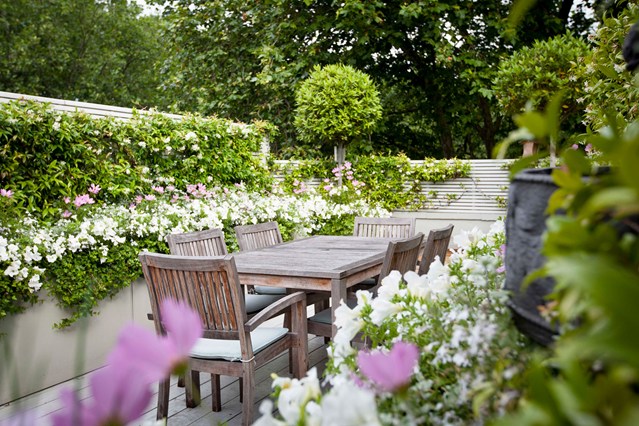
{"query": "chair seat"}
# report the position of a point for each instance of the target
(324, 316)
(265, 289)
(256, 302)
(230, 349)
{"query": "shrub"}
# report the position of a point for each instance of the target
(608, 88)
(533, 75)
(48, 155)
(336, 105)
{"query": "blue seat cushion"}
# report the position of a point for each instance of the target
(256, 302)
(230, 349)
(265, 289)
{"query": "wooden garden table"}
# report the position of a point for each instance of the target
(320, 263)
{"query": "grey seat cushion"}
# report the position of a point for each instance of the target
(265, 289)
(230, 349)
(256, 302)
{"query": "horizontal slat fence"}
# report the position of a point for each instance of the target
(484, 192)
(94, 110)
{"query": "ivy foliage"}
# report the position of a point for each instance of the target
(47, 155)
(392, 182)
(531, 76)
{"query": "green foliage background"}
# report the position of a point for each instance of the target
(47, 156)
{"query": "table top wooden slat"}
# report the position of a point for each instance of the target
(329, 257)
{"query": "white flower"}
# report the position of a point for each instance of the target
(349, 405)
(390, 285)
(190, 136)
(348, 322)
(383, 309)
(294, 397)
(417, 285)
(267, 419)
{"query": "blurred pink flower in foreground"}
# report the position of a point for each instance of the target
(392, 370)
(120, 392)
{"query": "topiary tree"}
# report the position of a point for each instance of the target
(336, 105)
(531, 76)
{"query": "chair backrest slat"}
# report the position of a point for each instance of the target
(436, 245)
(402, 256)
(253, 237)
(384, 227)
(209, 242)
(209, 285)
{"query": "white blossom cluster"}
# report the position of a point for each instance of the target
(456, 315)
(301, 402)
(25, 254)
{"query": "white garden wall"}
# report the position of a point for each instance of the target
(34, 356)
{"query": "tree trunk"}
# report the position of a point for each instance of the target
(488, 131)
(445, 134)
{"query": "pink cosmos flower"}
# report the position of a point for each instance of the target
(158, 189)
(67, 200)
(83, 199)
(119, 395)
(138, 199)
(155, 356)
(94, 189)
(6, 193)
(66, 214)
(149, 197)
(73, 412)
(389, 371)
(588, 147)
(120, 392)
(170, 188)
(327, 187)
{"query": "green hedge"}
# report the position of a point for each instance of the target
(48, 155)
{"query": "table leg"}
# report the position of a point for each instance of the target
(338, 293)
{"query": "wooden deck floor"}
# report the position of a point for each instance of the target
(46, 402)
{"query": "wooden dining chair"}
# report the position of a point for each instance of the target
(232, 345)
(210, 242)
(437, 243)
(384, 227)
(400, 255)
(254, 237)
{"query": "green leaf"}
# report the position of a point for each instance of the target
(535, 122)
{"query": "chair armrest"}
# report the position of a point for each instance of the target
(275, 308)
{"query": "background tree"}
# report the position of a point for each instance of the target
(96, 51)
(336, 105)
(534, 74)
(433, 62)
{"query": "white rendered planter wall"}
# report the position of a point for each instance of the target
(34, 356)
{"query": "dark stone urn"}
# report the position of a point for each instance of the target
(525, 223)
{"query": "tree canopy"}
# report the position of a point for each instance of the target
(433, 61)
(94, 51)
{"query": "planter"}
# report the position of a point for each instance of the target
(35, 356)
(525, 223)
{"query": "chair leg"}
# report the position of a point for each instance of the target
(241, 382)
(180, 382)
(216, 393)
(247, 393)
(192, 388)
(288, 324)
(163, 399)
